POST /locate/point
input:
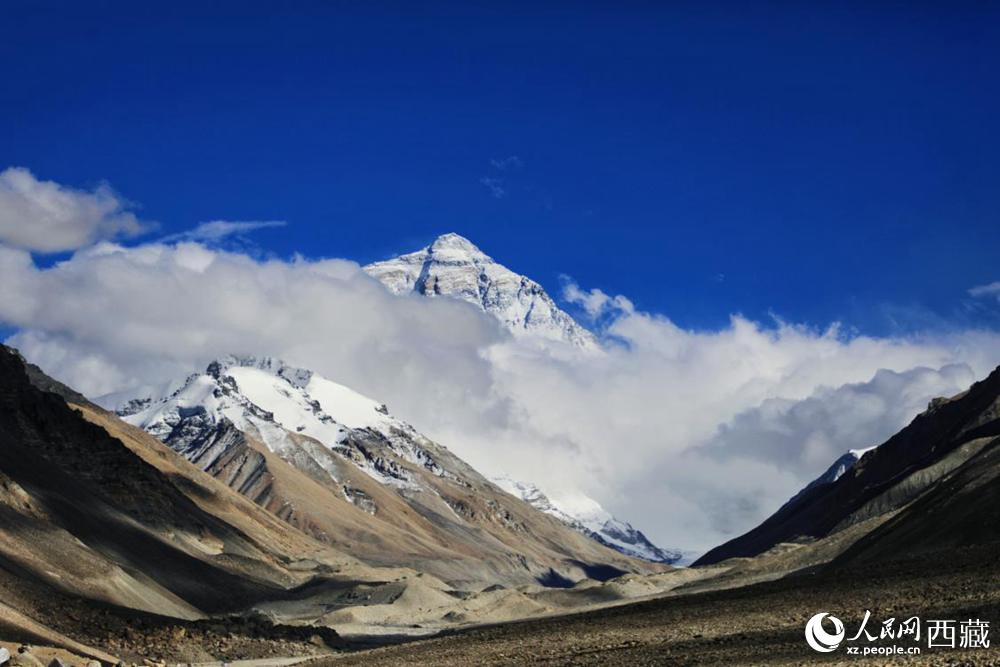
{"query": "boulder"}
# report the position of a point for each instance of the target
(25, 659)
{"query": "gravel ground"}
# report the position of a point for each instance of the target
(761, 624)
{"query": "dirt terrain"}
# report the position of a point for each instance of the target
(754, 625)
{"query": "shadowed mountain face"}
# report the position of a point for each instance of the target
(961, 510)
(940, 471)
(112, 525)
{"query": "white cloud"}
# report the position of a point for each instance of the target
(595, 302)
(765, 454)
(217, 230)
(992, 289)
(660, 426)
(159, 308)
(44, 216)
(692, 435)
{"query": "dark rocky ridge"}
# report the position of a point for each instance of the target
(94, 487)
(909, 464)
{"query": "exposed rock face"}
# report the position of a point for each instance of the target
(452, 266)
(338, 466)
(955, 439)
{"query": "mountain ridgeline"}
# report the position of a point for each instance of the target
(932, 486)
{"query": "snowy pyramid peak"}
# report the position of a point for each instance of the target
(455, 244)
(452, 266)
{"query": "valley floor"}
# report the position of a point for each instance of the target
(762, 624)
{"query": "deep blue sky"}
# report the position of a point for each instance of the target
(703, 158)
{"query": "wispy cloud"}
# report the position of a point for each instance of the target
(505, 163)
(217, 230)
(495, 183)
(495, 186)
(990, 290)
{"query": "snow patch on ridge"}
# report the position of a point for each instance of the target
(585, 515)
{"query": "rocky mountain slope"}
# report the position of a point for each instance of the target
(588, 517)
(936, 477)
(453, 266)
(114, 529)
(342, 469)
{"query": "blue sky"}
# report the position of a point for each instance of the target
(820, 163)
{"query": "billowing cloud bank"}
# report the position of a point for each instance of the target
(693, 436)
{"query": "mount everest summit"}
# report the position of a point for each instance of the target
(452, 266)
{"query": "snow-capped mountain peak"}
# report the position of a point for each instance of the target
(274, 402)
(585, 515)
(453, 266)
(457, 247)
(840, 466)
(836, 470)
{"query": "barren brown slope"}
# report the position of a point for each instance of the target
(287, 553)
(115, 527)
(465, 531)
(464, 534)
